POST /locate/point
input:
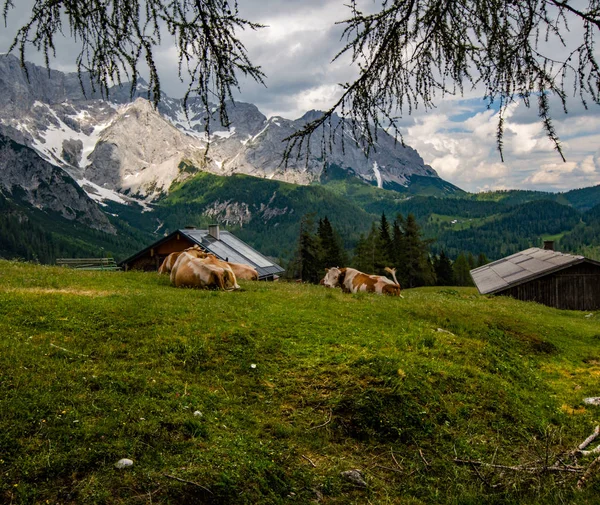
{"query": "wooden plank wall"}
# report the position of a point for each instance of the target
(153, 258)
(574, 288)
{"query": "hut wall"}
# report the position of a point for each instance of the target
(574, 288)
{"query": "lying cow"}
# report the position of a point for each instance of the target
(353, 281)
(241, 271)
(244, 272)
(194, 272)
(167, 265)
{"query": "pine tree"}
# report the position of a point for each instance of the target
(360, 258)
(332, 251)
(366, 254)
(471, 260)
(496, 45)
(419, 269)
(443, 270)
(461, 269)
(482, 260)
(308, 251)
(399, 257)
(385, 242)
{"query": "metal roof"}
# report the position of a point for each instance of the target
(230, 248)
(519, 268)
(227, 248)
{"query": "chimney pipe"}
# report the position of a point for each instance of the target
(549, 245)
(213, 231)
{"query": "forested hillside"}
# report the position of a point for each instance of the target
(267, 214)
(585, 237)
(33, 235)
(513, 230)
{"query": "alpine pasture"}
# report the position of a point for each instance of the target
(267, 394)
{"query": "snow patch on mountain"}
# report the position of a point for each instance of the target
(99, 194)
(133, 148)
(377, 175)
(225, 134)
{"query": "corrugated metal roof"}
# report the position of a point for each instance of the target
(519, 268)
(231, 248)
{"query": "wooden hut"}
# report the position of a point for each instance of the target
(564, 281)
(223, 244)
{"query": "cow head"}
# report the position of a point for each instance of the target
(332, 277)
(195, 252)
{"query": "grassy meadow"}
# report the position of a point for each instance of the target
(264, 396)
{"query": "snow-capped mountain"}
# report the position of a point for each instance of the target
(123, 147)
(23, 174)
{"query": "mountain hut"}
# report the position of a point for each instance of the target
(546, 276)
(223, 244)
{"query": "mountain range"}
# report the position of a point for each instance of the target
(87, 171)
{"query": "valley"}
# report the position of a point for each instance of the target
(93, 175)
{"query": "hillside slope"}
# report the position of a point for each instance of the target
(267, 394)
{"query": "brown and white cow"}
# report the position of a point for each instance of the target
(167, 265)
(241, 270)
(192, 271)
(244, 272)
(353, 281)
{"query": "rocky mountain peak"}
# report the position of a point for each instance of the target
(128, 146)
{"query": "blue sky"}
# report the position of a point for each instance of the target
(457, 138)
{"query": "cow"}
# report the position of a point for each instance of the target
(241, 271)
(167, 265)
(244, 272)
(192, 271)
(169, 261)
(353, 281)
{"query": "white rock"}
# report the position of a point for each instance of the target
(594, 400)
(197, 413)
(252, 365)
(355, 477)
(123, 463)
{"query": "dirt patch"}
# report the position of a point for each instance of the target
(65, 291)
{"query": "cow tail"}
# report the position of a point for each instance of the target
(220, 281)
(230, 276)
(393, 272)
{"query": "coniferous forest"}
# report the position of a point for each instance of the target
(428, 239)
(398, 245)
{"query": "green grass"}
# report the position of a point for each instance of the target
(99, 366)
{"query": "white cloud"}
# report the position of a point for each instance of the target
(465, 152)
(457, 138)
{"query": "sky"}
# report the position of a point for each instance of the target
(457, 137)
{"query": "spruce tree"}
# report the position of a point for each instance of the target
(360, 257)
(461, 269)
(399, 257)
(331, 248)
(419, 269)
(308, 251)
(366, 252)
(471, 261)
(385, 241)
(443, 270)
(482, 260)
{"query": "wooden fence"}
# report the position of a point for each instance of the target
(88, 263)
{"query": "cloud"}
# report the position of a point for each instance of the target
(465, 151)
(457, 137)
